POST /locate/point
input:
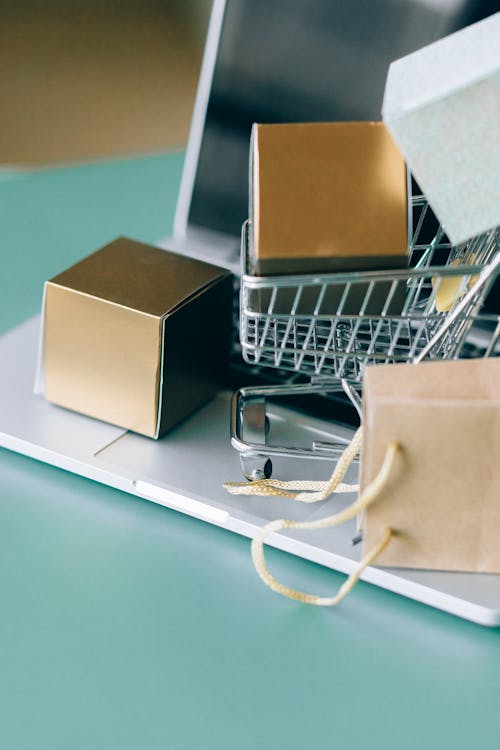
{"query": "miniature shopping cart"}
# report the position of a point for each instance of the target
(330, 327)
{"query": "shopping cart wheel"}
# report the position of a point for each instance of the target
(256, 467)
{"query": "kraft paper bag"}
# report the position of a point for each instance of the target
(442, 501)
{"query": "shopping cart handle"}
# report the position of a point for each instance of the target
(488, 273)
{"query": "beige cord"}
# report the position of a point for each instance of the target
(370, 494)
(320, 490)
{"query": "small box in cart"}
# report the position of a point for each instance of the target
(326, 197)
(117, 336)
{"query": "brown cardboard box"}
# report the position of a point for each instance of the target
(136, 336)
(326, 197)
(443, 500)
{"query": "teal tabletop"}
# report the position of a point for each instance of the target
(126, 625)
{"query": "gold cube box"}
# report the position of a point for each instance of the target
(136, 336)
(326, 197)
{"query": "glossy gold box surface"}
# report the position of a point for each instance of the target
(112, 323)
(327, 197)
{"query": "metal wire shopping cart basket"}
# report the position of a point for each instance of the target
(330, 327)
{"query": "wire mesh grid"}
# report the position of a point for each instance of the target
(334, 325)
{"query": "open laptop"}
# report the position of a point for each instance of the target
(289, 60)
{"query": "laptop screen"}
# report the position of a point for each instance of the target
(301, 60)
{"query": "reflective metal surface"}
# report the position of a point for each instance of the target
(302, 61)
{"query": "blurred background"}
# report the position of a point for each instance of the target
(88, 79)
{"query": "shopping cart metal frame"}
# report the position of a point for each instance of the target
(284, 324)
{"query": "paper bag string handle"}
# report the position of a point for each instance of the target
(370, 494)
(304, 491)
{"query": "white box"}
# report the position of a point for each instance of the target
(442, 107)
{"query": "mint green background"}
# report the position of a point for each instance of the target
(126, 625)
